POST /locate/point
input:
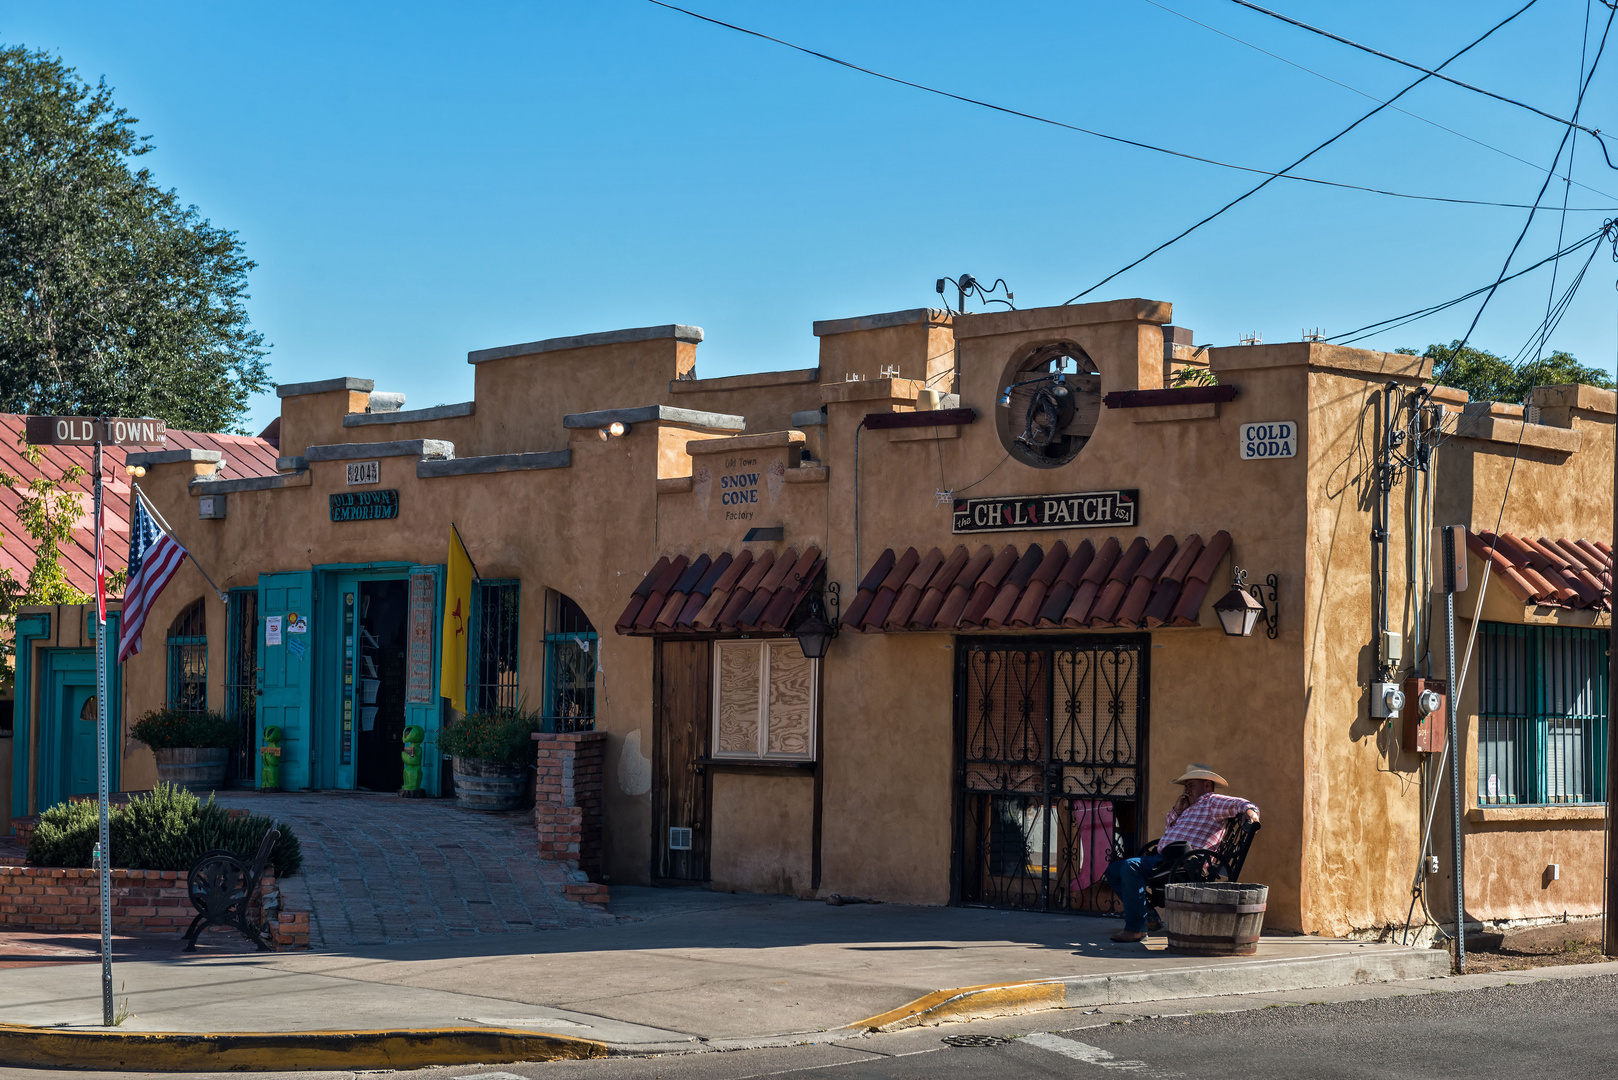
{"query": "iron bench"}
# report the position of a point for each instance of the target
(222, 888)
(1181, 863)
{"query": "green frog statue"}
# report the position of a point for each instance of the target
(412, 756)
(270, 755)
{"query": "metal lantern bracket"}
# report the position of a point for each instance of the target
(1270, 604)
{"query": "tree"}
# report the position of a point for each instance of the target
(1488, 377)
(114, 298)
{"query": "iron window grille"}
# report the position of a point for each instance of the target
(1542, 717)
(492, 674)
(241, 686)
(570, 666)
(188, 659)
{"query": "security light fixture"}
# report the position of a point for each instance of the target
(135, 470)
(614, 430)
(1239, 609)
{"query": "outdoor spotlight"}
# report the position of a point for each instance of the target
(1005, 399)
(135, 470)
(618, 427)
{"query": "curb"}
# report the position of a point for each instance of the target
(1122, 988)
(277, 1051)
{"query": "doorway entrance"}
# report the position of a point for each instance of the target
(1052, 770)
(380, 685)
(679, 777)
(68, 718)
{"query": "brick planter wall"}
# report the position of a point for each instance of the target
(143, 901)
(567, 808)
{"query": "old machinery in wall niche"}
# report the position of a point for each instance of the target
(1049, 405)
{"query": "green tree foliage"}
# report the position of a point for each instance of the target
(115, 299)
(1488, 377)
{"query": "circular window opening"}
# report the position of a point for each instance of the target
(1049, 405)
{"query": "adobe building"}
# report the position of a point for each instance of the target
(1022, 528)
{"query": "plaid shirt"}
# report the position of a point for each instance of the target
(1202, 824)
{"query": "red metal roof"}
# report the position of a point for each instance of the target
(244, 456)
(1091, 587)
(721, 593)
(1556, 573)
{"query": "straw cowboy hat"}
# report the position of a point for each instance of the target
(1195, 771)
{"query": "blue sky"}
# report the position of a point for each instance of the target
(419, 180)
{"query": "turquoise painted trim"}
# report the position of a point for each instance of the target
(432, 715)
(27, 628)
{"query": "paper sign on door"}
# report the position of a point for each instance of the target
(272, 630)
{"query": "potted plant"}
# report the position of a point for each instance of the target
(192, 748)
(493, 752)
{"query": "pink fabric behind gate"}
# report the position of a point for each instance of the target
(1094, 820)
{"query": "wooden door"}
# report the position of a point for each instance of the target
(679, 780)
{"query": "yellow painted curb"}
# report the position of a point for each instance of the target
(275, 1051)
(969, 1003)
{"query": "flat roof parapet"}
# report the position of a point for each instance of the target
(676, 331)
(168, 457)
(647, 414)
(325, 386)
(882, 320)
(356, 451)
(411, 416)
(1135, 309)
(495, 463)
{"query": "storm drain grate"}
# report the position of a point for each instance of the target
(976, 1040)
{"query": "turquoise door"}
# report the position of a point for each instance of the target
(426, 708)
(286, 627)
(68, 726)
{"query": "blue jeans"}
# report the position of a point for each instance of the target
(1128, 880)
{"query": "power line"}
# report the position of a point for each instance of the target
(1348, 337)
(1417, 67)
(1270, 175)
(1268, 180)
(1372, 97)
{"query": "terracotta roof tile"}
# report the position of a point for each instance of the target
(721, 593)
(244, 456)
(1553, 573)
(1031, 586)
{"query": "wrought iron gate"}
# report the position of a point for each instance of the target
(1051, 741)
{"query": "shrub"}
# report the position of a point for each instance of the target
(501, 736)
(170, 729)
(66, 835)
(167, 828)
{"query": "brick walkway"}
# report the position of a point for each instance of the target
(379, 869)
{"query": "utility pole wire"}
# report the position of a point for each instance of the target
(1371, 97)
(1417, 67)
(1268, 180)
(1283, 175)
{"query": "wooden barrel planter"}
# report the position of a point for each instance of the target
(486, 785)
(1220, 918)
(198, 769)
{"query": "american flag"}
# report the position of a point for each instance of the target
(154, 556)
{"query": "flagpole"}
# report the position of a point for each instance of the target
(468, 554)
(104, 848)
(145, 501)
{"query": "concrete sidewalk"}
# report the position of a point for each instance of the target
(688, 970)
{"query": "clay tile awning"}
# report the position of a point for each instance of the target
(1096, 585)
(1554, 573)
(721, 594)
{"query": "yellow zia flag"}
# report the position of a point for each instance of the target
(457, 619)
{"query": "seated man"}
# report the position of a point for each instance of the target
(1198, 817)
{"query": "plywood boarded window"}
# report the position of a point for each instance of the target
(766, 697)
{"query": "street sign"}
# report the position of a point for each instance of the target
(100, 431)
(89, 430)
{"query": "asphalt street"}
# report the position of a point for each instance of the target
(1555, 1028)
